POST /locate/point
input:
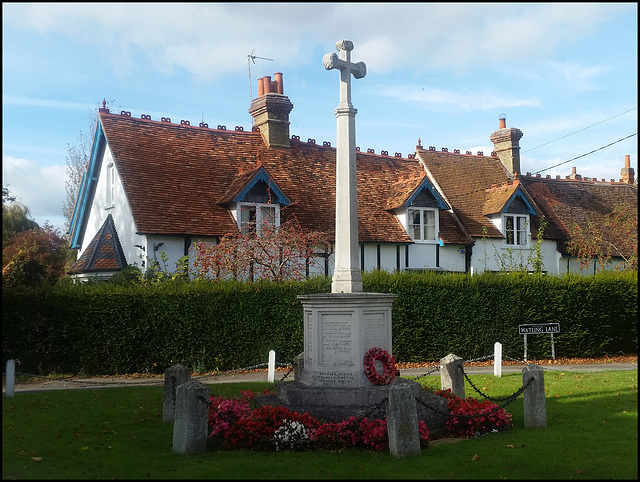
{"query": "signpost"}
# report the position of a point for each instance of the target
(539, 329)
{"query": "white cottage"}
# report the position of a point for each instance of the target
(157, 187)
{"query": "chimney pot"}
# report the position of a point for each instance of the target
(627, 161)
(278, 82)
(260, 88)
(271, 112)
(502, 123)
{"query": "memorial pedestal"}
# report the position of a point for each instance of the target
(339, 328)
(330, 384)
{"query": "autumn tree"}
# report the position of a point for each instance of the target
(275, 253)
(15, 216)
(615, 237)
(33, 257)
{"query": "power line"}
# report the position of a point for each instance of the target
(584, 129)
(578, 157)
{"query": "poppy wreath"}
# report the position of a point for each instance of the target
(388, 366)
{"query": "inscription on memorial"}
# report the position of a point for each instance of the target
(336, 338)
(335, 377)
(374, 329)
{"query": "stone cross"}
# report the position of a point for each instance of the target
(347, 277)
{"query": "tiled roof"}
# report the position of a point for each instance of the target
(175, 177)
(463, 179)
(565, 202)
(104, 253)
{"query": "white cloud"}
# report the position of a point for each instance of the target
(40, 188)
(431, 98)
(212, 39)
(48, 103)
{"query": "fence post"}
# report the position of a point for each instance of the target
(452, 375)
(11, 379)
(271, 377)
(402, 421)
(191, 418)
(497, 359)
(174, 376)
(533, 399)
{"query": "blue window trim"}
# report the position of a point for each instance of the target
(425, 184)
(531, 210)
(262, 176)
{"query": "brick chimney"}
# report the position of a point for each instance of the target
(270, 112)
(627, 174)
(574, 174)
(506, 143)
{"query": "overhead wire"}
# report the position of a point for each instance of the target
(583, 129)
(583, 155)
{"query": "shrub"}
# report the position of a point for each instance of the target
(470, 417)
(234, 425)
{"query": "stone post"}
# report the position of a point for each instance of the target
(451, 374)
(174, 376)
(402, 421)
(534, 401)
(10, 377)
(191, 418)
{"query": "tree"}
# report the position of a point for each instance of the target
(277, 254)
(33, 257)
(615, 237)
(77, 158)
(15, 216)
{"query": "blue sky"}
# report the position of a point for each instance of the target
(565, 74)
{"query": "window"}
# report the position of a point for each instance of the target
(423, 224)
(516, 230)
(111, 181)
(257, 218)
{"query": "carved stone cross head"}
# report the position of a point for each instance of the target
(346, 67)
(331, 61)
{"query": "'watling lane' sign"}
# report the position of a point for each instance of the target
(539, 329)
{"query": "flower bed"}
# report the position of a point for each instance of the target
(234, 424)
(470, 417)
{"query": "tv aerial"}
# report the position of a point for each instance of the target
(252, 58)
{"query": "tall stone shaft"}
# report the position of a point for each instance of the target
(347, 277)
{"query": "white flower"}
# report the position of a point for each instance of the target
(289, 434)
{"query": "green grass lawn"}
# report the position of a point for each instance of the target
(118, 433)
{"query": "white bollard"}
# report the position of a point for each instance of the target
(11, 375)
(497, 359)
(272, 367)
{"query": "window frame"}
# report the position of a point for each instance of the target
(259, 209)
(422, 225)
(519, 229)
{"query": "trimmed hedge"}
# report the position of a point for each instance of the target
(108, 329)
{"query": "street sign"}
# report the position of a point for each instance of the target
(539, 329)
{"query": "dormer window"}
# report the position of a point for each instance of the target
(258, 218)
(516, 229)
(423, 224)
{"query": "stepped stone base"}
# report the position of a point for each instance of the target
(336, 404)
